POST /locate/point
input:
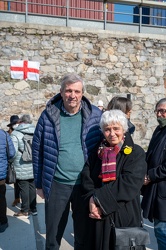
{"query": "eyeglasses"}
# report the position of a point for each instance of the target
(161, 111)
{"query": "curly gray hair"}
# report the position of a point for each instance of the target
(25, 119)
(114, 116)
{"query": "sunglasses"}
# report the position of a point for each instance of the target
(161, 111)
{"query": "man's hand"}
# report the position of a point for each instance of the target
(95, 212)
(40, 192)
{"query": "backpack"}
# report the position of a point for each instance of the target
(27, 152)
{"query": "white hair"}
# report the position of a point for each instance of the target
(114, 116)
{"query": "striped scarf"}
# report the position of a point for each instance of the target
(108, 156)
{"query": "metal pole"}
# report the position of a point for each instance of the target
(67, 13)
(105, 15)
(8, 5)
(26, 11)
(129, 96)
(140, 18)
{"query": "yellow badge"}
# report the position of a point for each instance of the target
(127, 150)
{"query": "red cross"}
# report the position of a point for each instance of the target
(25, 69)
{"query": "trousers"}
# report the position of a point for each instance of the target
(160, 233)
(16, 190)
(28, 194)
(3, 206)
(57, 210)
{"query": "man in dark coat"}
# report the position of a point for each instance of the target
(66, 133)
(154, 191)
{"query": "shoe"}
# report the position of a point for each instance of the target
(3, 227)
(24, 215)
(33, 212)
(15, 202)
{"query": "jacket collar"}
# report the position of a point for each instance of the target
(128, 142)
(57, 102)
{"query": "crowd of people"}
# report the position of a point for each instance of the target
(84, 158)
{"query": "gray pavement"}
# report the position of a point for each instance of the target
(30, 233)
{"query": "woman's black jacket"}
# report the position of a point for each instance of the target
(120, 198)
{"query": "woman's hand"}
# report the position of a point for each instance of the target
(146, 180)
(95, 212)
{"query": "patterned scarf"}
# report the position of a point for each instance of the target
(108, 156)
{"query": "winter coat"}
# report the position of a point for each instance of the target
(4, 138)
(131, 127)
(119, 199)
(47, 138)
(154, 194)
(24, 170)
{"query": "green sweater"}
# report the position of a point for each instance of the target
(71, 157)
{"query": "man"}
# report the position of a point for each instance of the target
(154, 194)
(7, 152)
(66, 133)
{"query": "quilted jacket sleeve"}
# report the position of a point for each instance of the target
(11, 151)
(128, 184)
(37, 152)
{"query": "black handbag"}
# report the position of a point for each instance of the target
(11, 174)
(130, 238)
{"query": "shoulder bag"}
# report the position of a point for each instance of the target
(130, 238)
(11, 174)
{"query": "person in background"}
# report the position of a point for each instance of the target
(125, 105)
(24, 170)
(154, 189)
(111, 181)
(13, 121)
(65, 135)
(100, 105)
(13, 124)
(4, 140)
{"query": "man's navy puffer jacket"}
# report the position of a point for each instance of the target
(46, 139)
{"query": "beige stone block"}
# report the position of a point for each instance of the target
(141, 83)
(110, 51)
(21, 85)
(133, 58)
(113, 58)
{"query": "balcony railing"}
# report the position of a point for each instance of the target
(141, 16)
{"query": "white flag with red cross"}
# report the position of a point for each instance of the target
(24, 70)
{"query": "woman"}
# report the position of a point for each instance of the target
(111, 181)
(24, 169)
(125, 105)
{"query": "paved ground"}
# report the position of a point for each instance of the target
(29, 233)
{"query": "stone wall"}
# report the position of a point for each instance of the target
(111, 63)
